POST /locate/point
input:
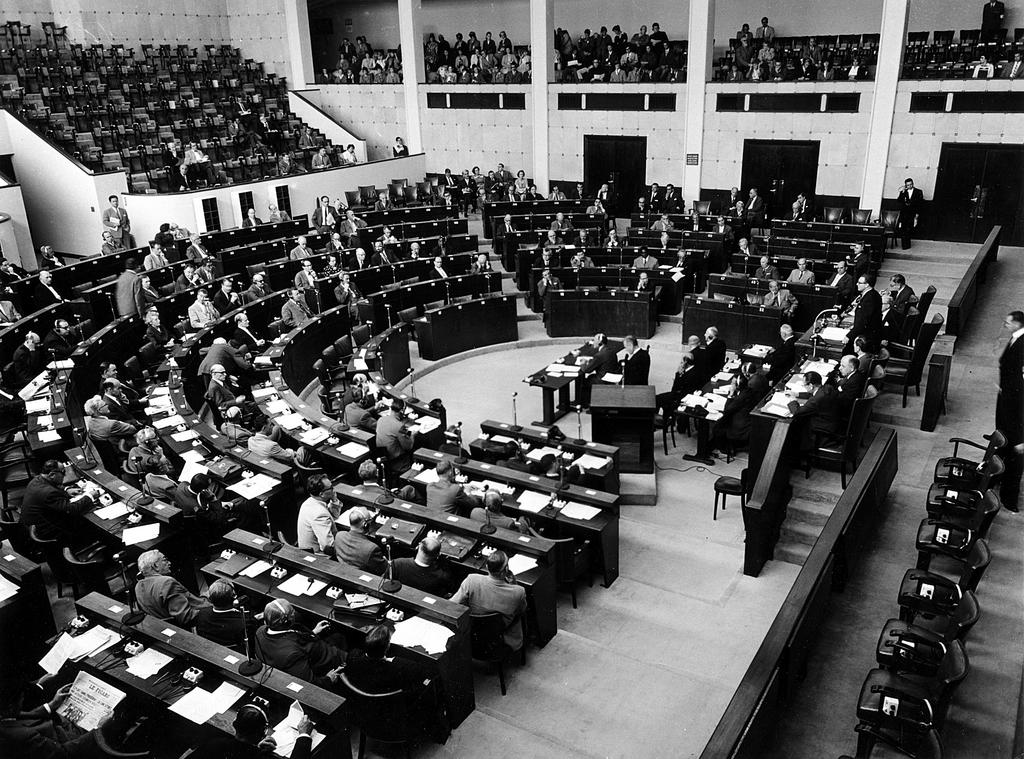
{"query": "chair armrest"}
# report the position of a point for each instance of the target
(895, 348)
(958, 441)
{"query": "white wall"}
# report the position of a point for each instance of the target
(148, 212)
(66, 213)
(916, 142)
(258, 28)
(15, 236)
(306, 105)
(375, 113)
(843, 137)
(132, 22)
(460, 139)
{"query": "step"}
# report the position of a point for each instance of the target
(800, 532)
(810, 512)
(792, 553)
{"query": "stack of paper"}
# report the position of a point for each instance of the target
(286, 731)
(501, 439)
(589, 461)
(822, 367)
(695, 400)
(200, 705)
(427, 476)
(37, 405)
(416, 631)
(835, 334)
(520, 563)
(575, 510)
(425, 424)
(254, 487)
(92, 641)
(562, 369)
(759, 350)
(147, 664)
(256, 569)
(113, 511)
(168, 421)
(314, 436)
(532, 501)
(263, 392)
(538, 453)
(184, 436)
(134, 535)
(723, 377)
(290, 421)
(352, 449)
(49, 436)
(716, 403)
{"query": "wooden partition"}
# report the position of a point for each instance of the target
(966, 294)
(780, 663)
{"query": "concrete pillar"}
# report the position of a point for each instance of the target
(300, 49)
(410, 31)
(699, 70)
(895, 15)
(542, 30)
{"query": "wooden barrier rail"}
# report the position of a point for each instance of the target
(966, 294)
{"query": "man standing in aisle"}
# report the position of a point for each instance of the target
(1010, 409)
(115, 219)
(909, 201)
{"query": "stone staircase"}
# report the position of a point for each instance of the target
(807, 514)
(929, 263)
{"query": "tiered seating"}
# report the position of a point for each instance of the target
(922, 655)
(112, 108)
(951, 55)
(618, 58)
(842, 51)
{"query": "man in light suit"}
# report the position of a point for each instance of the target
(350, 227)
(295, 312)
(315, 526)
(663, 224)
(1014, 69)
(202, 313)
(645, 260)
(197, 251)
(801, 275)
(561, 224)
(777, 297)
(843, 282)
(128, 294)
(355, 548)
(116, 220)
(301, 250)
(155, 259)
(448, 496)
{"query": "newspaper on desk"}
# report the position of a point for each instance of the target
(90, 702)
(169, 421)
(778, 405)
(286, 731)
(416, 631)
(254, 487)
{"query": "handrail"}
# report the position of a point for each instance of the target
(766, 507)
(760, 696)
(326, 115)
(966, 293)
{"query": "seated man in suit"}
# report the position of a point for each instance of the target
(315, 527)
(901, 299)
(359, 412)
(491, 513)
(294, 311)
(257, 289)
(57, 342)
(438, 272)
(636, 363)
(663, 224)
(101, 427)
(354, 546)
(645, 260)
(425, 571)
(691, 375)
(779, 297)
(820, 414)
(161, 596)
(226, 299)
(801, 275)
(496, 591)
(766, 270)
(232, 427)
(265, 443)
(221, 393)
(732, 430)
(394, 439)
(447, 495)
(783, 357)
(244, 335)
(843, 282)
(50, 507)
(481, 265)
(202, 312)
(45, 293)
(313, 656)
(849, 384)
(221, 621)
(561, 225)
(347, 294)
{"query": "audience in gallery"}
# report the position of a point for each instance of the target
(617, 57)
(359, 63)
(475, 61)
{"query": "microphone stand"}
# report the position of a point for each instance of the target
(272, 545)
(562, 471)
(447, 292)
(251, 665)
(134, 614)
(515, 421)
(387, 309)
(390, 584)
(488, 528)
(385, 497)
(412, 386)
(579, 425)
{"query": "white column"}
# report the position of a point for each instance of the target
(698, 71)
(410, 32)
(883, 101)
(542, 29)
(300, 49)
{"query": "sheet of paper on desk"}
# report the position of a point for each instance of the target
(824, 368)
(58, 654)
(723, 376)
(46, 420)
(286, 731)
(416, 631)
(192, 455)
(169, 421)
(532, 501)
(290, 421)
(716, 402)
(300, 585)
(184, 436)
(353, 449)
(160, 401)
(226, 695)
(677, 276)
(263, 392)
(256, 569)
(538, 453)
(360, 364)
(713, 416)
(759, 350)
(427, 476)
(426, 424)
(575, 510)
(197, 705)
(49, 436)
(314, 436)
(91, 701)
(693, 399)
(7, 589)
(521, 563)
(502, 439)
(776, 410)
(147, 664)
(161, 390)
(835, 334)
(562, 369)
(263, 361)
(140, 534)
(113, 511)
(255, 486)
(190, 470)
(590, 461)
(94, 640)
(612, 378)
(279, 406)
(62, 364)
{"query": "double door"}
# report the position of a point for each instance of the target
(978, 187)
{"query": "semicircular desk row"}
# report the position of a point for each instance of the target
(385, 357)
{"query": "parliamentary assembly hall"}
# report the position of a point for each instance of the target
(511, 379)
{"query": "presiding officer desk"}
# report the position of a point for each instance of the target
(219, 664)
(599, 523)
(459, 327)
(454, 664)
(668, 284)
(585, 312)
(738, 323)
(462, 544)
(812, 299)
(535, 442)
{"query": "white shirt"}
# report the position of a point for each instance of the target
(1016, 335)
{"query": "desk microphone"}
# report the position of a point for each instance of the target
(487, 529)
(515, 422)
(412, 385)
(134, 615)
(251, 665)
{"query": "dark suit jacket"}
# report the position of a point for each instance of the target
(449, 497)
(846, 290)
(735, 421)
(867, 317)
(375, 675)
(223, 303)
(1010, 401)
(224, 627)
(28, 364)
(33, 735)
(782, 360)
(637, 368)
(848, 390)
(50, 509)
(603, 361)
(245, 339)
(42, 297)
(715, 354)
(300, 654)
(433, 580)
(356, 549)
(823, 411)
(910, 205)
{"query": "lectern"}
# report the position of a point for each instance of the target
(623, 416)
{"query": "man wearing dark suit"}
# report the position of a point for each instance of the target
(671, 202)
(355, 548)
(325, 216)
(380, 255)
(225, 300)
(56, 342)
(858, 260)
(545, 284)
(51, 508)
(636, 365)
(502, 247)
(993, 15)
(424, 572)
(843, 282)
(654, 198)
(359, 260)
(901, 298)
(447, 495)
(766, 270)
(909, 201)
(258, 289)
(714, 351)
(394, 439)
(1010, 409)
(45, 294)
(784, 357)
(299, 652)
(29, 359)
(849, 384)
(821, 415)
(222, 622)
(438, 272)
(602, 360)
(346, 293)
(867, 313)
